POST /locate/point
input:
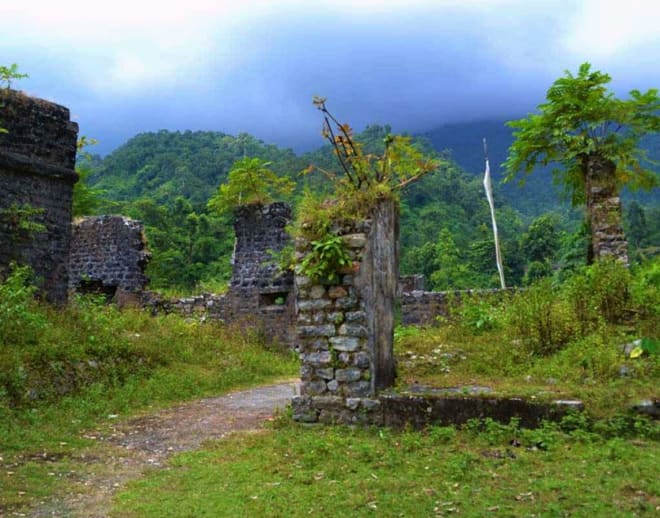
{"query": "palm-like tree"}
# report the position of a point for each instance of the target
(594, 138)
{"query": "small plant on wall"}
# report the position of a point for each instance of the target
(7, 75)
(250, 182)
(365, 178)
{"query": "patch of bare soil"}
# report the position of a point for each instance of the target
(128, 449)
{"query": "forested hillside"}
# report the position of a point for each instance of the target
(165, 179)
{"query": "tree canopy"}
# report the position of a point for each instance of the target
(580, 118)
(250, 181)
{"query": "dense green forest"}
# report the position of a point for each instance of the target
(165, 179)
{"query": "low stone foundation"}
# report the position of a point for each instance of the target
(418, 411)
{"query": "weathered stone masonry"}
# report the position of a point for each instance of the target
(37, 161)
(345, 329)
(108, 253)
(260, 295)
(604, 206)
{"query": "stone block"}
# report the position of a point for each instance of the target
(358, 389)
(313, 331)
(348, 375)
(356, 317)
(317, 359)
(355, 240)
(344, 343)
(306, 372)
(345, 358)
(337, 292)
(327, 373)
(313, 388)
(317, 291)
(313, 305)
(353, 330)
(303, 411)
(350, 302)
(362, 360)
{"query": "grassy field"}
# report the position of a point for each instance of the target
(595, 338)
(66, 372)
(595, 370)
(112, 364)
(547, 343)
(485, 469)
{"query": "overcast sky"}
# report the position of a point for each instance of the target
(129, 66)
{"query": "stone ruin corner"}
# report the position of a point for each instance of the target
(37, 170)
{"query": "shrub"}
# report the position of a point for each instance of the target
(645, 291)
(250, 181)
(599, 292)
(478, 315)
(540, 319)
(326, 258)
(21, 320)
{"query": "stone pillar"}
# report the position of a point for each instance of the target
(345, 329)
(37, 162)
(604, 211)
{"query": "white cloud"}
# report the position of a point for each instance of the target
(606, 29)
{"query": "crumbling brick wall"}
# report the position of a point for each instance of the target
(37, 161)
(108, 253)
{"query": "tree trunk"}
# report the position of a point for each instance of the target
(604, 211)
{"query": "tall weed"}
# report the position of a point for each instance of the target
(599, 292)
(645, 296)
(21, 321)
(540, 319)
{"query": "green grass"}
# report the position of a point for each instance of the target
(588, 369)
(300, 471)
(140, 363)
(548, 342)
(111, 363)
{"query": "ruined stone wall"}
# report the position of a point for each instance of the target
(345, 328)
(424, 307)
(108, 253)
(260, 294)
(37, 161)
(260, 232)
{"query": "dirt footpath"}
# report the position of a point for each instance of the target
(131, 447)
